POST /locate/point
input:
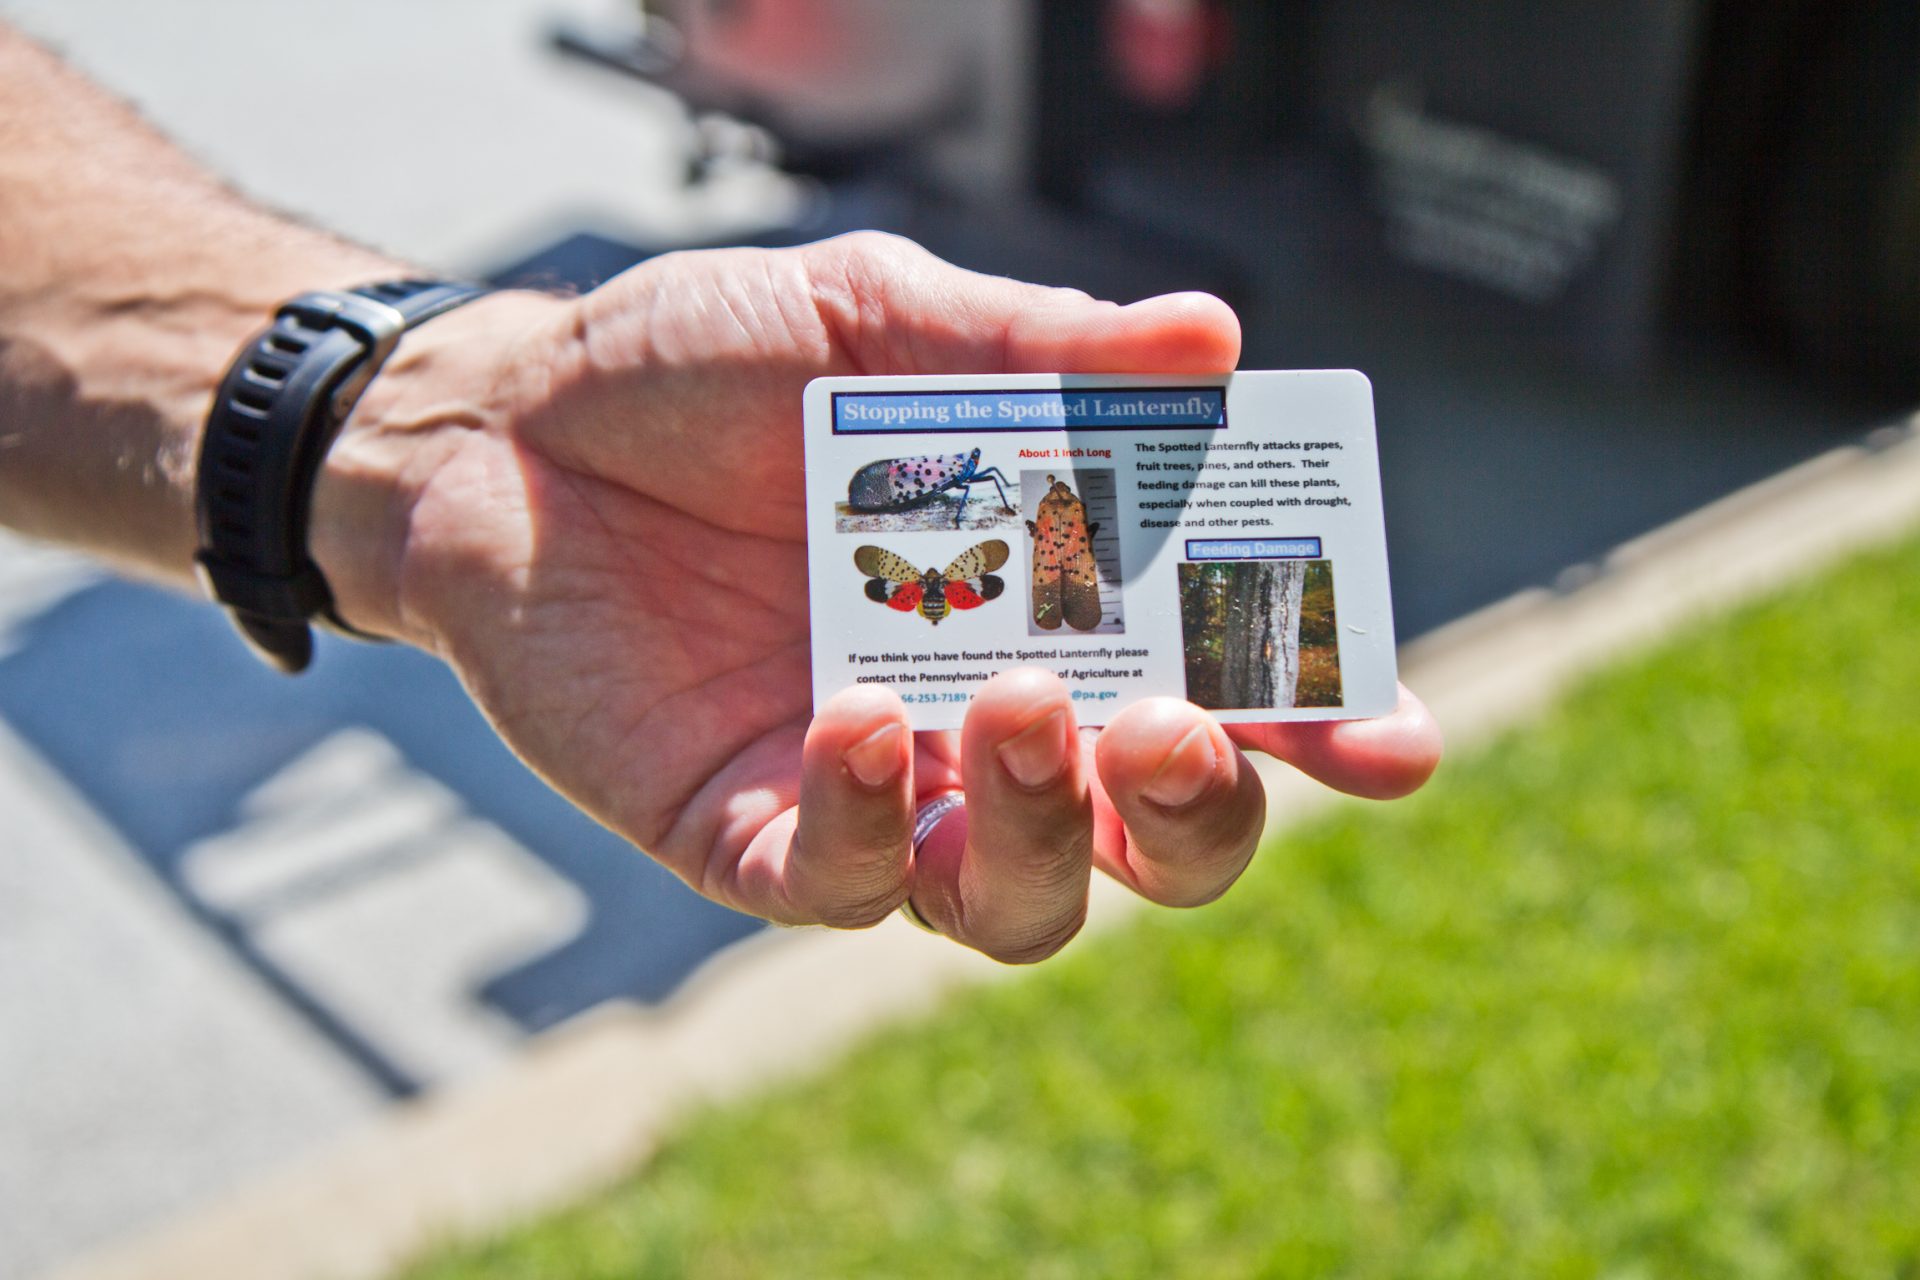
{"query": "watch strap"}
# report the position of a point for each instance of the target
(277, 412)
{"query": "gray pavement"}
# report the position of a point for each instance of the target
(140, 1069)
(226, 942)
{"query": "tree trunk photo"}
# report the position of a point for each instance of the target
(1243, 625)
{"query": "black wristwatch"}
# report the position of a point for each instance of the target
(278, 410)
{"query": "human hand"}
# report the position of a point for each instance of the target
(593, 509)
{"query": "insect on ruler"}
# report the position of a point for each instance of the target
(1066, 582)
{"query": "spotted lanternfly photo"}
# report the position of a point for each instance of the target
(898, 487)
(1066, 580)
(967, 583)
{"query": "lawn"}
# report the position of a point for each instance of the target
(1634, 992)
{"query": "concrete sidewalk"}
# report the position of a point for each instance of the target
(592, 1100)
(188, 998)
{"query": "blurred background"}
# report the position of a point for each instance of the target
(1610, 267)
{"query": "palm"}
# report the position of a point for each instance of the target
(658, 611)
(649, 650)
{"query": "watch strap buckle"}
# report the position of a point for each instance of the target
(376, 324)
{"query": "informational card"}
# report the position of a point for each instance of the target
(1218, 539)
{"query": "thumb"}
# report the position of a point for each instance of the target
(894, 308)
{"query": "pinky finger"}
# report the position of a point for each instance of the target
(1381, 759)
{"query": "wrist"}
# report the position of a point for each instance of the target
(106, 382)
(453, 381)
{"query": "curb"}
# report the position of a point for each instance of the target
(591, 1101)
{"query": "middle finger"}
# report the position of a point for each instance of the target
(1016, 886)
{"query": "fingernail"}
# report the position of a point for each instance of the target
(1038, 753)
(1187, 771)
(876, 759)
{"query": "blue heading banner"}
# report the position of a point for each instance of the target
(1253, 549)
(1077, 410)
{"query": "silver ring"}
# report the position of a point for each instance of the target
(931, 814)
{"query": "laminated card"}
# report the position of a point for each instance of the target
(1218, 539)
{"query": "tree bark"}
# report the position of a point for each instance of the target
(1260, 635)
(1284, 667)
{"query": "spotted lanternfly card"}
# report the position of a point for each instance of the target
(1217, 539)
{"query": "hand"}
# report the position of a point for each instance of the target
(593, 510)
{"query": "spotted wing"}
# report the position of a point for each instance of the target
(981, 558)
(1066, 581)
(878, 562)
(929, 474)
(893, 483)
(891, 579)
(1045, 572)
(969, 579)
(871, 489)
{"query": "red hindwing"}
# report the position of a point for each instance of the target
(906, 597)
(961, 595)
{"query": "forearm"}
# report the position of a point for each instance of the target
(128, 279)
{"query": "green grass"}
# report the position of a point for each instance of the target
(1633, 992)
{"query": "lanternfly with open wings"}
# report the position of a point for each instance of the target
(967, 583)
